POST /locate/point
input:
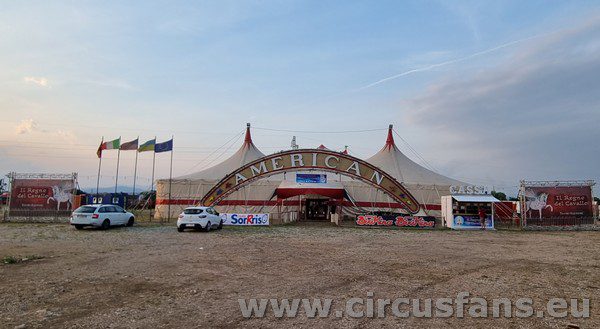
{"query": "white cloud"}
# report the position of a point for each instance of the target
(67, 135)
(26, 126)
(40, 81)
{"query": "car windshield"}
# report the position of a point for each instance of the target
(85, 210)
(192, 211)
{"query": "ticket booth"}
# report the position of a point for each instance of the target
(461, 212)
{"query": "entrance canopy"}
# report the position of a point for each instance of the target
(288, 189)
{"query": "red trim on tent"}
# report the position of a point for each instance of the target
(389, 142)
(322, 147)
(248, 138)
(363, 204)
(334, 193)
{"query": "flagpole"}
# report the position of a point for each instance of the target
(153, 165)
(135, 166)
(170, 179)
(99, 166)
(118, 158)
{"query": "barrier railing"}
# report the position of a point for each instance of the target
(560, 221)
(33, 215)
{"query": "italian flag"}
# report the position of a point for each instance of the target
(111, 145)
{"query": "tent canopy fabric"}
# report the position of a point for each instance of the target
(391, 160)
(246, 154)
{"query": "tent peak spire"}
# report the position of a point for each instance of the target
(248, 138)
(389, 143)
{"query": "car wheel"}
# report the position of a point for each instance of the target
(105, 224)
(180, 228)
(220, 225)
(208, 227)
(79, 227)
(130, 222)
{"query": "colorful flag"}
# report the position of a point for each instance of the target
(164, 146)
(130, 146)
(111, 145)
(147, 146)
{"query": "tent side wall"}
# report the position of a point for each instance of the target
(253, 198)
(256, 197)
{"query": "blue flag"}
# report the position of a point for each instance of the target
(164, 146)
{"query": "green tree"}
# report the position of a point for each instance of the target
(499, 195)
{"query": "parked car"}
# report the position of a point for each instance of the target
(199, 218)
(101, 215)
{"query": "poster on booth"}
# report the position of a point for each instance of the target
(42, 194)
(558, 201)
(397, 220)
(245, 219)
(471, 222)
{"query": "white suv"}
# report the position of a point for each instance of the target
(101, 215)
(199, 218)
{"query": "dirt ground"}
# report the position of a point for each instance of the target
(152, 276)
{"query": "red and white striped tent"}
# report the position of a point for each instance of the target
(281, 194)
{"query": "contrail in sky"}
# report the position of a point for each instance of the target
(425, 68)
(433, 66)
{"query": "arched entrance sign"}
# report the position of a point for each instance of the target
(306, 159)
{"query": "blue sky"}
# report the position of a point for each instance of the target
(498, 90)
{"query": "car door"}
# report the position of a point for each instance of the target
(103, 212)
(214, 219)
(209, 215)
(109, 213)
(115, 215)
(120, 212)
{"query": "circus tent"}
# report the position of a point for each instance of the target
(281, 193)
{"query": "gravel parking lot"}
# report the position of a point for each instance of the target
(153, 276)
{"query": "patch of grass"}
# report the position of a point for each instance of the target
(10, 260)
(15, 260)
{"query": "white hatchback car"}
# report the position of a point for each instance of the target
(199, 218)
(101, 215)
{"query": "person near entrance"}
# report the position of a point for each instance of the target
(482, 217)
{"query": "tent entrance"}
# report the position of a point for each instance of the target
(317, 209)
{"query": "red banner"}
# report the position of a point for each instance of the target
(395, 220)
(41, 194)
(561, 201)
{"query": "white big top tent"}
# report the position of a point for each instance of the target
(258, 197)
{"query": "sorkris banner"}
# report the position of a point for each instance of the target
(245, 219)
(395, 220)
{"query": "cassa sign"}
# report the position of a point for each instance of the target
(245, 219)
